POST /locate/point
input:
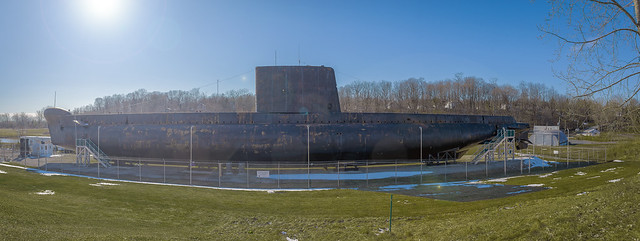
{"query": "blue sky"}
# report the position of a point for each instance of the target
(81, 52)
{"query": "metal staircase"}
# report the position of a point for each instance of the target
(502, 145)
(85, 148)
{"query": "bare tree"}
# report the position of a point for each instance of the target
(600, 45)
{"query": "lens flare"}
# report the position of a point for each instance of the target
(103, 11)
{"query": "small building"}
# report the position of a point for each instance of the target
(548, 136)
(36, 146)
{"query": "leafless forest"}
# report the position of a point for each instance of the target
(527, 102)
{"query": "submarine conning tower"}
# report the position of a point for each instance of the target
(296, 89)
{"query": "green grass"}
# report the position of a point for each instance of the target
(607, 137)
(14, 133)
(147, 212)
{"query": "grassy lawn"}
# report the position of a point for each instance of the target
(583, 203)
(14, 133)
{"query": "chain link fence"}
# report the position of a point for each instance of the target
(357, 174)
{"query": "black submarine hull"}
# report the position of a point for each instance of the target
(268, 137)
(298, 118)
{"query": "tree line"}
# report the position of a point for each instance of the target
(142, 101)
(23, 120)
(532, 103)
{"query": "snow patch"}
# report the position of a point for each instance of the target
(271, 191)
(100, 184)
(46, 192)
(546, 175)
(593, 177)
(504, 179)
(382, 230)
(580, 173)
(615, 180)
(2, 172)
(582, 193)
(535, 185)
(609, 170)
(498, 180)
(618, 161)
(292, 239)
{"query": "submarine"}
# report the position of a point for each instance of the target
(297, 120)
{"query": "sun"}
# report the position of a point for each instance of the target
(103, 11)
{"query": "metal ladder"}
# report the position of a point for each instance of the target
(86, 148)
(504, 138)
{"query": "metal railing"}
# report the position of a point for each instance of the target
(93, 148)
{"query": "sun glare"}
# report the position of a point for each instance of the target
(103, 11)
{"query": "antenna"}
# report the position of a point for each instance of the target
(298, 54)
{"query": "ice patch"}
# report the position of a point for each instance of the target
(615, 180)
(100, 184)
(48, 174)
(347, 176)
(618, 161)
(46, 192)
(2, 172)
(580, 173)
(536, 162)
(535, 185)
(521, 191)
(593, 177)
(582, 193)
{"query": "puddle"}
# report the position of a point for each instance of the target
(462, 191)
(346, 176)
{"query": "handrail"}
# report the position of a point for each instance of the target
(93, 148)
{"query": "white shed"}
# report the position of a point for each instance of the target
(548, 136)
(36, 146)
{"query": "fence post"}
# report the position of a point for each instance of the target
(466, 170)
(395, 174)
(421, 169)
(367, 164)
(445, 169)
(338, 174)
(247, 169)
(219, 174)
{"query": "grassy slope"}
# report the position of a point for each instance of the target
(13, 133)
(139, 211)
